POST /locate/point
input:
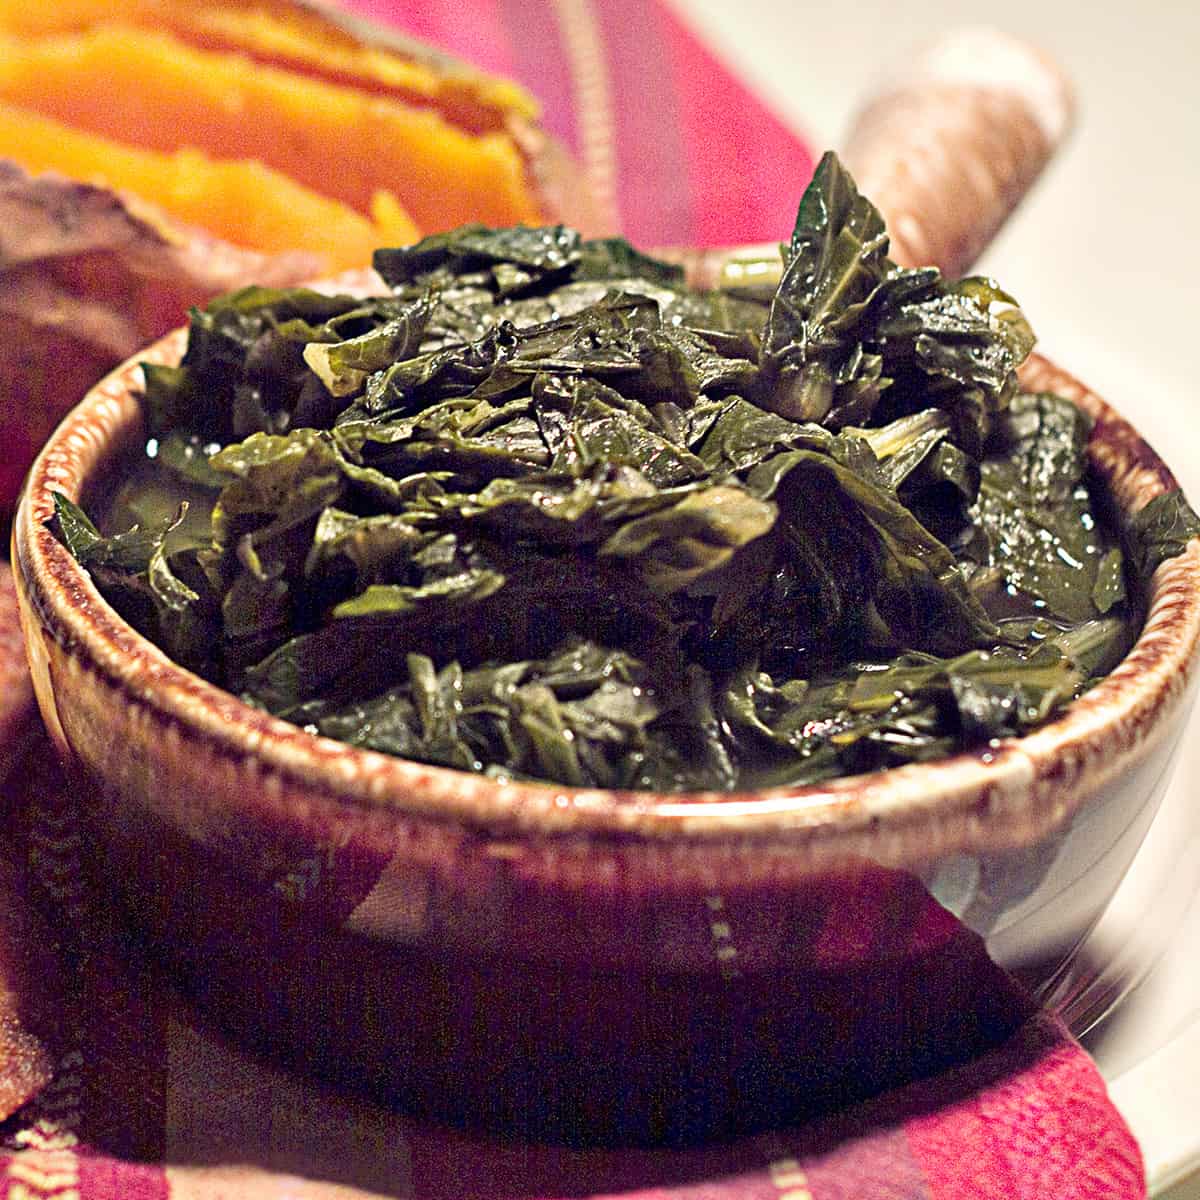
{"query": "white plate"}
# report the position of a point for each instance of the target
(1149, 939)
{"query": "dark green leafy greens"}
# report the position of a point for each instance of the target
(544, 512)
(1161, 530)
(849, 332)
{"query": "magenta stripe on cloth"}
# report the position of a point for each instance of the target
(476, 31)
(656, 197)
(1005, 1137)
(880, 1166)
(746, 168)
(102, 1176)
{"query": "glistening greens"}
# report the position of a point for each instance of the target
(544, 512)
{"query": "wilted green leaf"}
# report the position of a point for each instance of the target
(1036, 515)
(849, 330)
(1161, 529)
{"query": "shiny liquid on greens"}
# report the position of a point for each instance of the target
(544, 512)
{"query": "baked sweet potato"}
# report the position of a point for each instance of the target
(151, 90)
(86, 278)
(239, 200)
(195, 147)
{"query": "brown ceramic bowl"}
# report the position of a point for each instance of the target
(587, 965)
(632, 966)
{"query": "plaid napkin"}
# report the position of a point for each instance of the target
(675, 150)
(148, 1099)
(956, 1090)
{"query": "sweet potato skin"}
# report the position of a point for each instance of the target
(86, 278)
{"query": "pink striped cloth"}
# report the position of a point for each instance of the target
(149, 1100)
(679, 152)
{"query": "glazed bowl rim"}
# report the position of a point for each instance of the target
(1008, 793)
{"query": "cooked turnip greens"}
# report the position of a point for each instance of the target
(544, 512)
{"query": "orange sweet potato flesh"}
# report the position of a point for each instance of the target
(150, 90)
(309, 38)
(241, 201)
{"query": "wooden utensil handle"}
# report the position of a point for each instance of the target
(948, 148)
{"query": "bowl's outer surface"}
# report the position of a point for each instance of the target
(387, 905)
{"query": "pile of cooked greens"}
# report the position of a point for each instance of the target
(544, 512)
